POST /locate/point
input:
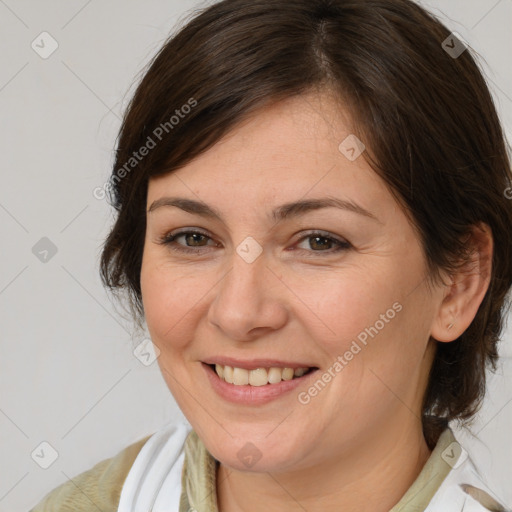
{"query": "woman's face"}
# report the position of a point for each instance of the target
(338, 288)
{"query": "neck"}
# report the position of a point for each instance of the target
(372, 477)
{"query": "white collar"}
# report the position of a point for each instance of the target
(154, 481)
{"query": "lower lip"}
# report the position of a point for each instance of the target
(252, 395)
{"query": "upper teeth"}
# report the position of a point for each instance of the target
(257, 377)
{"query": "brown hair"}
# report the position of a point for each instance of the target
(426, 117)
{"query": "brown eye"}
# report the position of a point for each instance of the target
(193, 239)
(323, 242)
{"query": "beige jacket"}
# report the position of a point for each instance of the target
(99, 488)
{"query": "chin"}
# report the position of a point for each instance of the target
(250, 459)
(255, 453)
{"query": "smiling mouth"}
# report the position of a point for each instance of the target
(258, 376)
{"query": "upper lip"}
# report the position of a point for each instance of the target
(252, 364)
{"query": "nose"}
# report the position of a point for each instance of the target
(250, 300)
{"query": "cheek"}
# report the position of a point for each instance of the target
(165, 300)
(174, 299)
(351, 306)
(371, 329)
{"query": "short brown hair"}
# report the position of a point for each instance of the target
(426, 117)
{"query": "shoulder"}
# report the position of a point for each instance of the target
(97, 488)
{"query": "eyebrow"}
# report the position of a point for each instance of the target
(285, 211)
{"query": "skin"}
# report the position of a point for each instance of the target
(357, 445)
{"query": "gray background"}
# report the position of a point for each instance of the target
(68, 375)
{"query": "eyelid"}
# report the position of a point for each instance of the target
(323, 233)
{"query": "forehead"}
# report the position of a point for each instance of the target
(286, 151)
(313, 123)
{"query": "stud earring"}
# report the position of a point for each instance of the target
(450, 326)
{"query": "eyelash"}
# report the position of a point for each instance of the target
(169, 240)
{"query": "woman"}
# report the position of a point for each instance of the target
(312, 220)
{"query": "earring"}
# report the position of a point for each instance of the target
(450, 326)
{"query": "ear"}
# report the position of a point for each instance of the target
(463, 296)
